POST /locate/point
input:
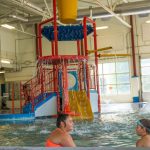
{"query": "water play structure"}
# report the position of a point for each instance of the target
(63, 83)
(50, 91)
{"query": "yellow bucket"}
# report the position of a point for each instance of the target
(67, 11)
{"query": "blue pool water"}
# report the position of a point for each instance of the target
(111, 129)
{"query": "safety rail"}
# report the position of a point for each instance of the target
(91, 76)
(39, 87)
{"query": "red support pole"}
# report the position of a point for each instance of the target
(85, 36)
(49, 81)
(81, 65)
(55, 27)
(40, 39)
(65, 89)
(78, 47)
(46, 21)
(42, 86)
(82, 48)
(40, 35)
(86, 54)
(133, 47)
(13, 103)
(37, 43)
(44, 80)
(53, 48)
(79, 73)
(21, 97)
(96, 63)
(32, 95)
(54, 77)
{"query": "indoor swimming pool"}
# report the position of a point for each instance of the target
(111, 129)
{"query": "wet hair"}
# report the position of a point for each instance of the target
(61, 118)
(145, 123)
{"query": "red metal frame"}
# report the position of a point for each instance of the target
(78, 47)
(21, 96)
(37, 45)
(13, 96)
(96, 59)
(39, 84)
(133, 47)
(96, 63)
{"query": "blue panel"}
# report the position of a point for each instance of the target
(136, 99)
(27, 108)
(17, 116)
(66, 33)
(22, 121)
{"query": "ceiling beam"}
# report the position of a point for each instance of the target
(111, 12)
(30, 7)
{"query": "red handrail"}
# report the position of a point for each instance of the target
(32, 88)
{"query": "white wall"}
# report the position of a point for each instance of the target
(7, 43)
(20, 49)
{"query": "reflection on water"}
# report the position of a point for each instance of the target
(113, 130)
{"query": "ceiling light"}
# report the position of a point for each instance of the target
(148, 21)
(2, 71)
(135, 12)
(19, 18)
(5, 61)
(102, 28)
(7, 26)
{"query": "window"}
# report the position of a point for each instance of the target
(114, 78)
(145, 74)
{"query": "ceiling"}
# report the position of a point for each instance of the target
(26, 13)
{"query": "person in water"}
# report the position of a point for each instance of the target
(60, 137)
(143, 130)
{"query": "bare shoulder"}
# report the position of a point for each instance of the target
(145, 142)
(139, 143)
(56, 136)
(67, 141)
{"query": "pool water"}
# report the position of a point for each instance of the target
(113, 130)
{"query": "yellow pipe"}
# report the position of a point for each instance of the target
(112, 55)
(100, 49)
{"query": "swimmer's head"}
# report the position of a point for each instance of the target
(61, 118)
(65, 121)
(144, 123)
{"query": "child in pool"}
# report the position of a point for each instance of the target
(143, 130)
(60, 137)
